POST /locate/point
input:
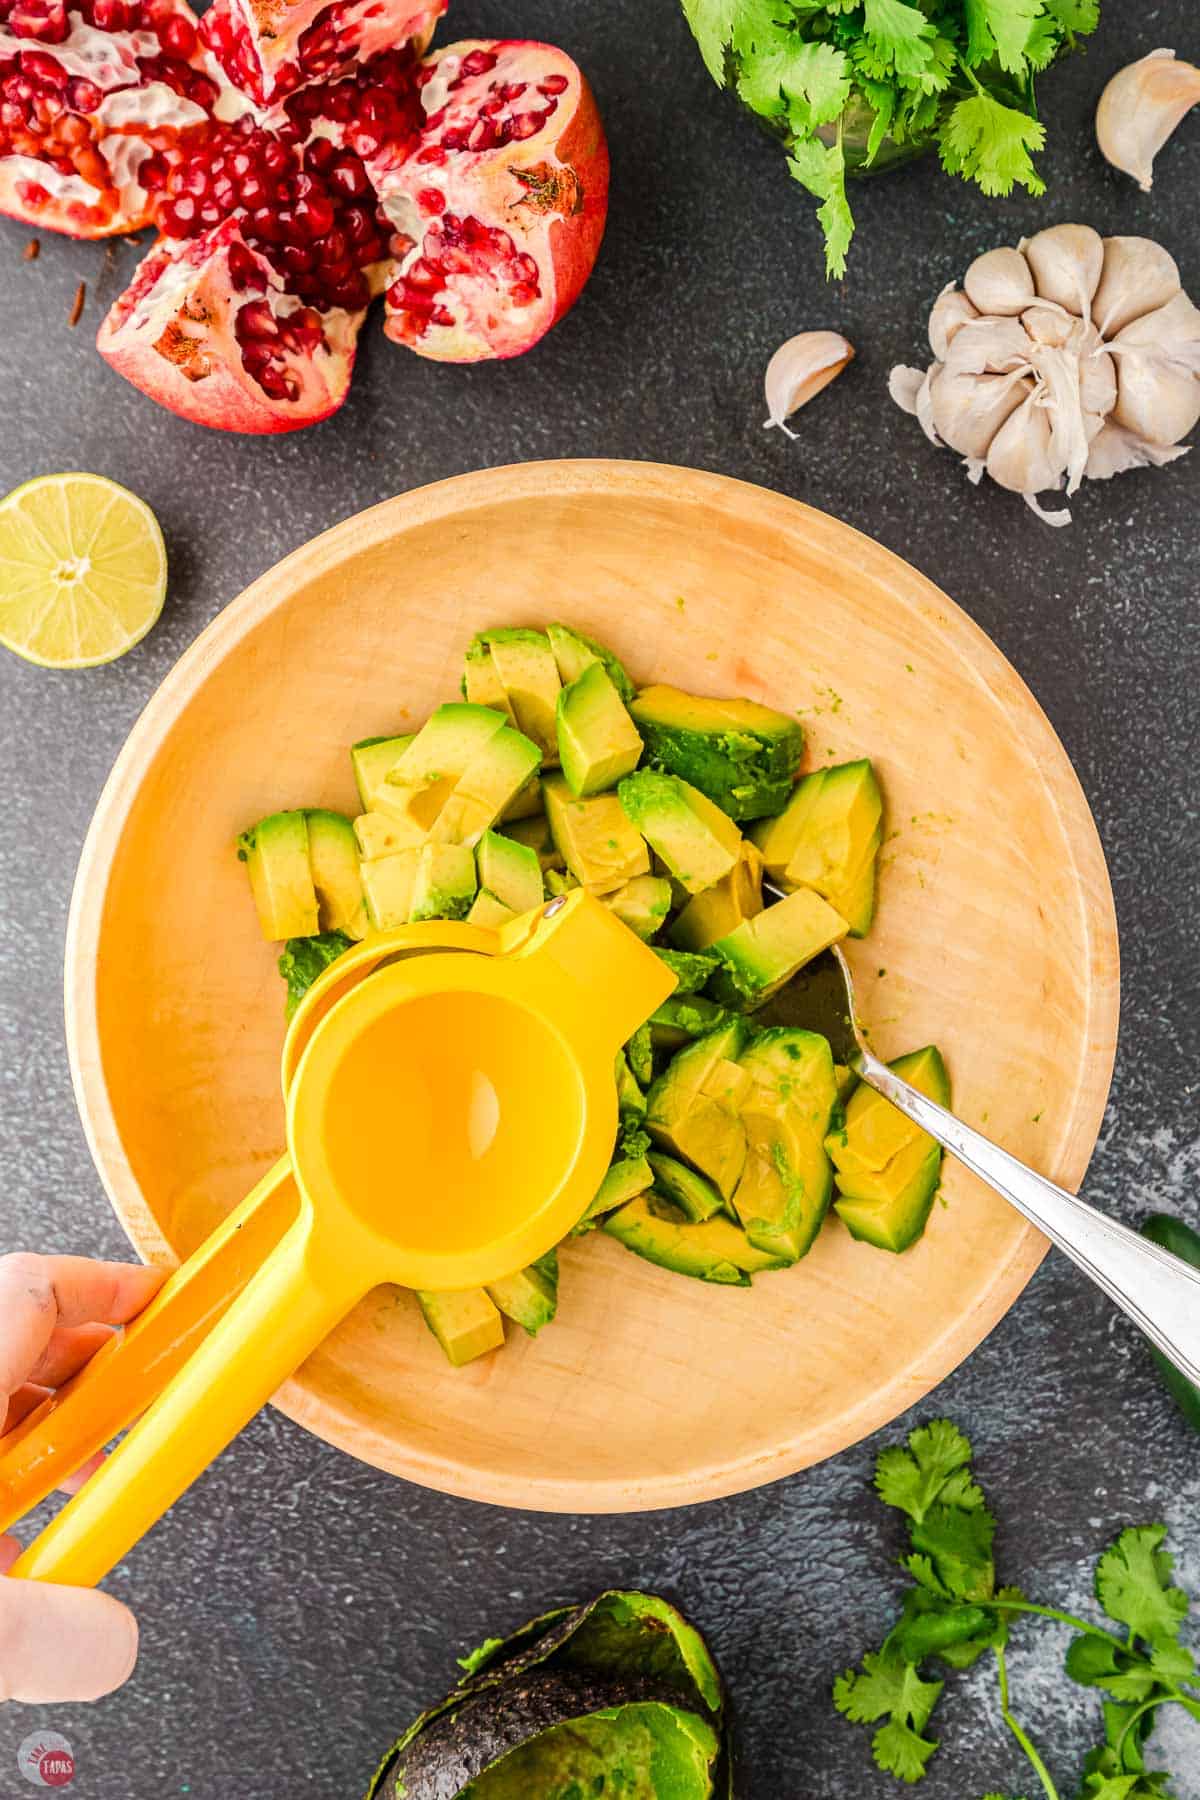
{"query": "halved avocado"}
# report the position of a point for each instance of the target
(466, 1324)
(742, 755)
(696, 1198)
(715, 1250)
(530, 1297)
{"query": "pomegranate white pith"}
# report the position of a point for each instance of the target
(470, 186)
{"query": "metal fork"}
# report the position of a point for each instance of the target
(1158, 1291)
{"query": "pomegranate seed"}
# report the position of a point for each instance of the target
(525, 125)
(178, 37)
(431, 200)
(478, 62)
(553, 84)
(256, 320)
(83, 96)
(319, 156)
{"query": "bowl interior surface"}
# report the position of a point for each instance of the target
(995, 937)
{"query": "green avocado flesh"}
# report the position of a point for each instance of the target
(552, 773)
(645, 1751)
(888, 1169)
(828, 838)
(742, 755)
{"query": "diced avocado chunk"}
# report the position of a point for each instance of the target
(574, 652)
(873, 1131)
(894, 1209)
(690, 1192)
(488, 911)
(888, 1168)
(630, 1098)
(388, 884)
(371, 759)
(691, 971)
(560, 881)
(787, 1181)
(449, 742)
(305, 959)
(766, 951)
(687, 1120)
(683, 1017)
(642, 903)
(535, 832)
(481, 685)
(693, 837)
(275, 852)
(742, 755)
(529, 1298)
(466, 1324)
(485, 788)
(526, 803)
(381, 834)
(719, 910)
(509, 870)
(598, 742)
(444, 885)
(714, 1250)
(627, 1177)
(828, 838)
(333, 859)
(525, 664)
(600, 846)
(640, 1052)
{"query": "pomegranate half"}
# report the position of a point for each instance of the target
(295, 168)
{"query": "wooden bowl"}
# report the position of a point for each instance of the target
(995, 936)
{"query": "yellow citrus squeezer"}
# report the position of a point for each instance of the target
(451, 1111)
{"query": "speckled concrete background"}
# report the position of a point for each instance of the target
(296, 1607)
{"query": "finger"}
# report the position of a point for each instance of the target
(59, 1644)
(22, 1403)
(69, 1348)
(38, 1293)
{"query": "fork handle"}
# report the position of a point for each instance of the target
(1158, 1291)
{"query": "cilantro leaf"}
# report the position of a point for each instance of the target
(1172, 1663)
(901, 1751)
(886, 1684)
(990, 143)
(1000, 29)
(808, 82)
(899, 36)
(913, 1480)
(1094, 1662)
(1075, 15)
(1132, 1585)
(821, 169)
(712, 23)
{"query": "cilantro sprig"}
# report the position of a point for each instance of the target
(954, 1613)
(851, 85)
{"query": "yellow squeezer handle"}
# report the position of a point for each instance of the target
(289, 1304)
(121, 1380)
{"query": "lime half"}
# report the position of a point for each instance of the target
(83, 570)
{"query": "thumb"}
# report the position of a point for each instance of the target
(61, 1643)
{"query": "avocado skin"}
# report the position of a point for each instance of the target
(747, 769)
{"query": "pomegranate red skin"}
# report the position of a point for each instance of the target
(547, 192)
(179, 343)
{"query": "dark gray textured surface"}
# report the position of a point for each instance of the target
(297, 1607)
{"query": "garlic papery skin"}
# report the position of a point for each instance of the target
(799, 369)
(1140, 108)
(1096, 372)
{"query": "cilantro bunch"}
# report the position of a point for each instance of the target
(851, 85)
(955, 1613)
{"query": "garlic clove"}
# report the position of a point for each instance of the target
(967, 410)
(1097, 388)
(1154, 400)
(951, 310)
(1172, 330)
(799, 369)
(1021, 455)
(1138, 276)
(1066, 261)
(1115, 450)
(999, 282)
(1140, 108)
(993, 346)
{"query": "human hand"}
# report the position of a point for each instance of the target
(60, 1643)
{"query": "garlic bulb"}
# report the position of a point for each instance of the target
(1072, 356)
(1140, 108)
(801, 368)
